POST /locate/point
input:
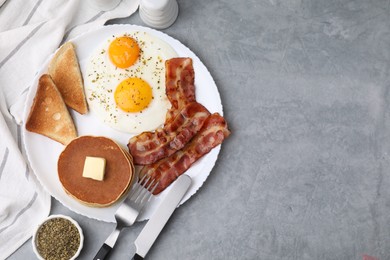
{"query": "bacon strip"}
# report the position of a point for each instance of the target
(149, 147)
(183, 120)
(180, 84)
(167, 170)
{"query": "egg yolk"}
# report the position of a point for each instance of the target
(123, 51)
(133, 95)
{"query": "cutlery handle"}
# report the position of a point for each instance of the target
(137, 257)
(103, 252)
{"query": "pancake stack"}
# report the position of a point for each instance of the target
(119, 171)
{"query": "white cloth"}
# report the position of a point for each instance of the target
(23, 202)
(31, 30)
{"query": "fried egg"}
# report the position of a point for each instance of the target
(125, 81)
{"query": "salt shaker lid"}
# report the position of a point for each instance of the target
(155, 5)
(159, 14)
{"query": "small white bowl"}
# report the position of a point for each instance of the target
(35, 249)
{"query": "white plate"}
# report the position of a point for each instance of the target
(43, 152)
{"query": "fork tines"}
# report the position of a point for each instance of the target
(144, 190)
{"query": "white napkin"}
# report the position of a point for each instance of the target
(30, 31)
(23, 202)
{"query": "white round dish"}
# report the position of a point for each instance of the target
(43, 152)
(35, 249)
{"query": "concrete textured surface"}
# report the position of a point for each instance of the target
(306, 172)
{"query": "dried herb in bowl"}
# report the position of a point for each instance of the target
(57, 239)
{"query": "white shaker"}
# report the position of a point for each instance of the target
(159, 14)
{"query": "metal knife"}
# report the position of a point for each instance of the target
(160, 217)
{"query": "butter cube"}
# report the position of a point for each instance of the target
(94, 168)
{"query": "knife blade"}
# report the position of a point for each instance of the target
(160, 217)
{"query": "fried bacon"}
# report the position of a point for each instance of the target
(189, 131)
(149, 147)
(183, 120)
(167, 170)
(180, 85)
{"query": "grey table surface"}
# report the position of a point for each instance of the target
(306, 172)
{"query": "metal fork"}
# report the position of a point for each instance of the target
(128, 212)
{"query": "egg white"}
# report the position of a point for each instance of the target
(102, 77)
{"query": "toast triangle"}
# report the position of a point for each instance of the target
(49, 115)
(65, 71)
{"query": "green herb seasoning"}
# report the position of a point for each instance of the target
(57, 239)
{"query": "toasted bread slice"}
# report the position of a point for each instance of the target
(49, 115)
(65, 71)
